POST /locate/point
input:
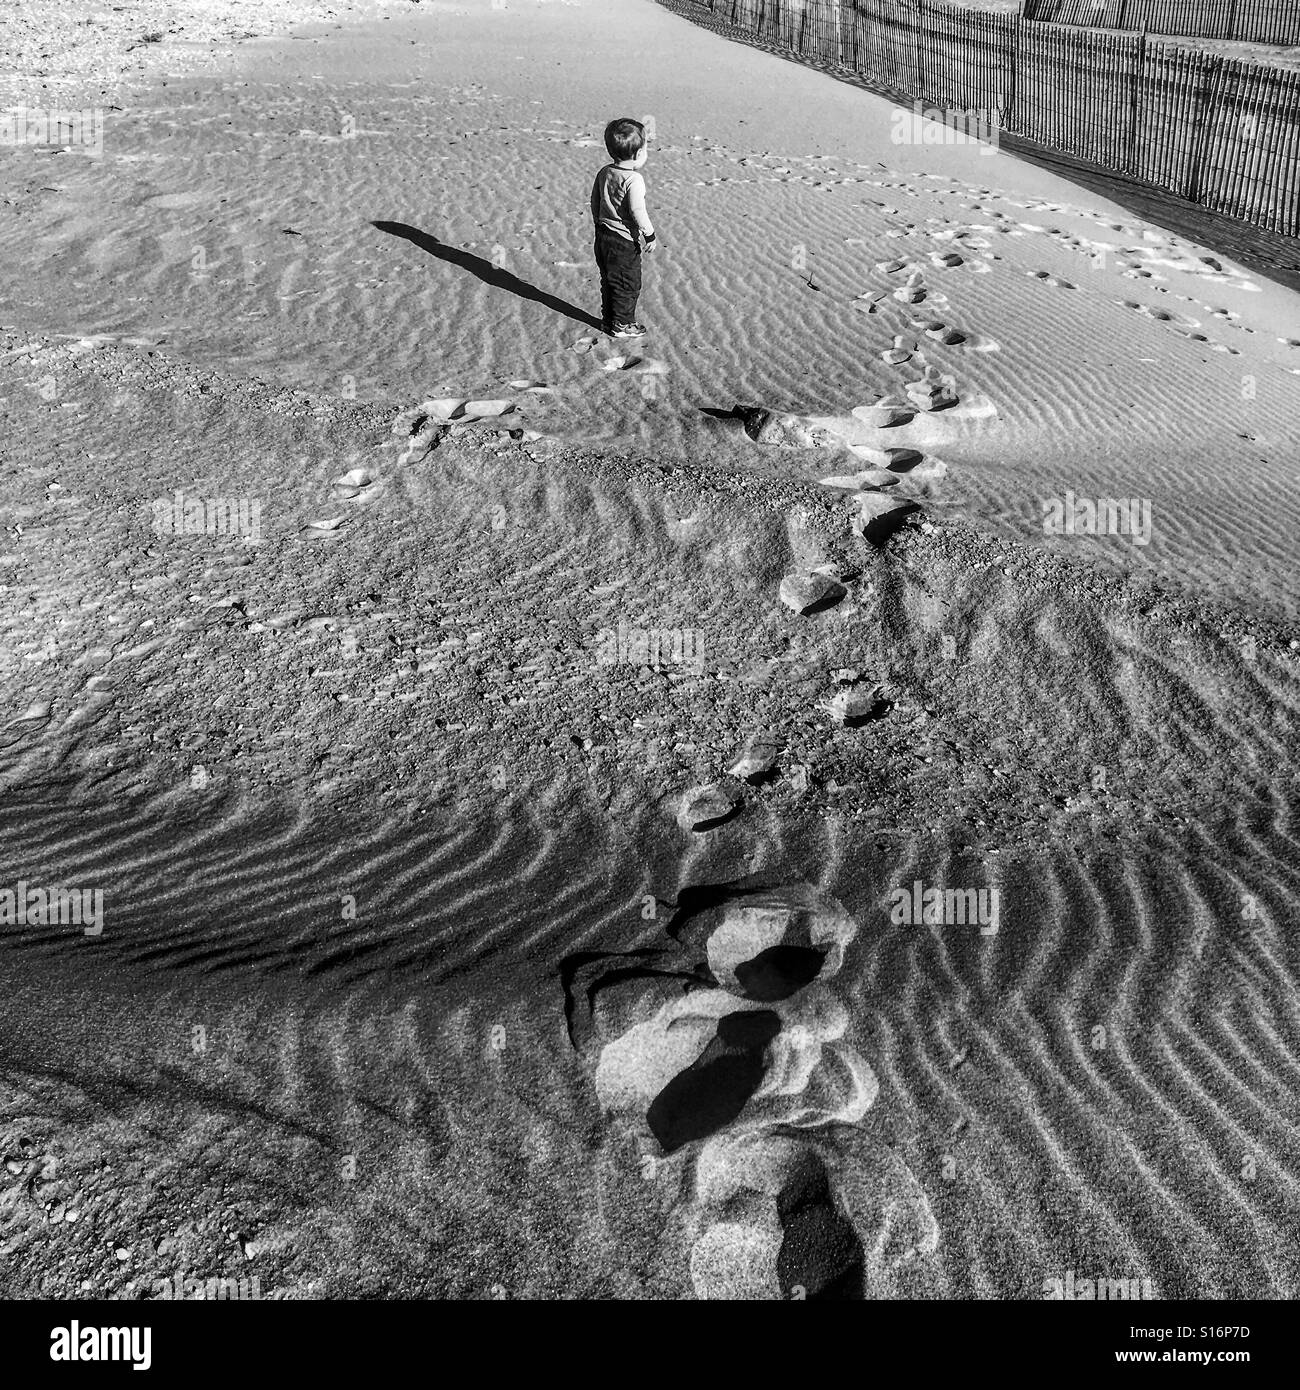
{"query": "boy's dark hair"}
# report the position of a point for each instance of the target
(624, 137)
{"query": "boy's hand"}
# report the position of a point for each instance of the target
(650, 243)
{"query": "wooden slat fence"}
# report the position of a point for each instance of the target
(1220, 131)
(1251, 21)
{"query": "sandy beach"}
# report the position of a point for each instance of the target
(513, 761)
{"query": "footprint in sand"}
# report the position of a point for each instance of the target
(136, 653)
(870, 299)
(1180, 321)
(356, 485)
(281, 622)
(945, 334)
(23, 726)
(457, 410)
(707, 807)
(914, 291)
(430, 422)
(861, 702)
(35, 715)
(643, 365)
(1049, 279)
(811, 591)
(949, 336)
(795, 1218)
(325, 529)
(879, 515)
(424, 434)
(946, 260)
(889, 412)
(893, 460)
(869, 480)
(781, 431)
(924, 475)
(933, 392)
(902, 351)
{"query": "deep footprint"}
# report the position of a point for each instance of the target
(821, 1256)
(716, 1087)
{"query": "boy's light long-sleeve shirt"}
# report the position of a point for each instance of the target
(618, 202)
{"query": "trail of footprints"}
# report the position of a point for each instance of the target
(724, 1045)
(1143, 257)
(971, 248)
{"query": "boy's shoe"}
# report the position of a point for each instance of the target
(627, 330)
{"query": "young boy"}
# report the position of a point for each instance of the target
(618, 210)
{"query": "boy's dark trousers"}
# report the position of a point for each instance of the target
(619, 261)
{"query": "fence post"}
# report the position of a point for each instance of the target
(1202, 131)
(1137, 80)
(1017, 23)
